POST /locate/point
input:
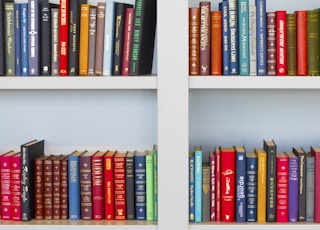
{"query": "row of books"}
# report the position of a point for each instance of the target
(100, 185)
(265, 185)
(73, 38)
(245, 39)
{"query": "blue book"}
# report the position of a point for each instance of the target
(198, 184)
(191, 187)
(233, 37)
(17, 13)
(240, 214)
(243, 22)
(140, 184)
(108, 38)
(74, 185)
(261, 38)
(293, 187)
(251, 189)
(24, 40)
(223, 6)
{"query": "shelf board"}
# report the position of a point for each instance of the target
(253, 82)
(103, 82)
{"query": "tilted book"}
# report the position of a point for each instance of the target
(194, 41)
(251, 188)
(240, 214)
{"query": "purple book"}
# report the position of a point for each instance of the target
(293, 187)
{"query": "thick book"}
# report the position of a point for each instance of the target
(291, 44)
(205, 192)
(212, 164)
(216, 43)
(64, 196)
(299, 151)
(9, 25)
(271, 44)
(149, 185)
(143, 37)
(194, 41)
(270, 148)
(224, 8)
(243, 24)
(127, 42)
(261, 38)
(15, 188)
(17, 38)
(55, 44)
(119, 173)
(310, 175)
(228, 189)
(198, 184)
(45, 36)
(130, 204)
(109, 185)
(302, 53)
(64, 37)
(97, 161)
(205, 9)
(191, 187)
(233, 37)
(24, 40)
(74, 185)
(313, 42)
(92, 40)
(218, 183)
(98, 66)
(240, 180)
(316, 153)
(252, 40)
(38, 183)
(140, 184)
(34, 40)
(86, 185)
(281, 42)
(84, 39)
(29, 152)
(282, 187)
(293, 187)
(261, 184)
(252, 186)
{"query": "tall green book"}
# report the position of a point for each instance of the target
(291, 45)
(9, 38)
(313, 42)
(155, 181)
(149, 185)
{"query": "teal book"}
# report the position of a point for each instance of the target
(149, 186)
(243, 21)
(198, 184)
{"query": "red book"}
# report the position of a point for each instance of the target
(47, 187)
(109, 185)
(127, 41)
(97, 186)
(15, 187)
(64, 34)
(281, 42)
(316, 153)
(302, 66)
(218, 183)
(6, 184)
(228, 174)
(64, 205)
(282, 187)
(119, 173)
(38, 183)
(212, 162)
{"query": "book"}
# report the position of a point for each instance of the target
(281, 42)
(119, 173)
(191, 187)
(313, 42)
(149, 185)
(84, 39)
(218, 183)
(243, 24)
(9, 26)
(55, 44)
(270, 148)
(155, 182)
(39, 184)
(252, 40)
(291, 45)
(261, 37)
(302, 56)
(310, 175)
(45, 36)
(228, 184)
(224, 8)
(34, 33)
(17, 37)
(316, 154)
(212, 164)
(74, 185)
(130, 196)
(109, 185)
(233, 37)
(64, 196)
(251, 188)
(240, 180)
(86, 185)
(140, 184)
(15, 188)
(92, 40)
(98, 66)
(194, 41)
(198, 184)
(216, 43)
(29, 151)
(299, 151)
(127, 42)
(293, 187)
(282, 187)
(24, 40)
(205, 8)
(97, 164)
(261, 184)
(205, 192)
(143, 37)
(64, 37)
(2, 44)
(271, 44)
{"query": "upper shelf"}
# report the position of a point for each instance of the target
(253, 82)
(141, 82)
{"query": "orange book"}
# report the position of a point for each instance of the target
(302, 56)
(194, 41)
(84, 39)
(216, 43)
(262, 184)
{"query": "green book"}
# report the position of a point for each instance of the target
(9, 38)
(291, 45)
(313, 42)
(149, 185)
(155, 181)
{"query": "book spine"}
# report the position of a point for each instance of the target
(317, 186)
(302, 56)
(282, 189)
(130, 205)
(252, 178)
(194, 41)
(17, 26)
(224, 8)
(109, 188)
(155, 181)
(97, 188)
(252, 41)
(205, 8)
(218, 185)
(45, 35)
(127, 42)
(205, 192)
(261, 37)
(64, 206)
(281, 42)
(2, 44)
(243, 15)
(47, 189)
(84, 36)
(262, 187)
(15, 188)
(56, 188)
(85, 187)
(64, 37)
(119, 187)
(9, 20)
(291, 44)
(313, 42)
(55, 44)
(92, 40)
(149, 186)
(271, 44)
(98, 68)
(198, 186)
(74, 187)
(5, 188)
(38, 172)
(302, 187)
(216, 43)
(293, 189)
(140, 186)
(240, 187)
(74, 37)
(212, 163)
(24, 40)
(25, 185)
(191, 188)
(310, 187)
(233, 37)
(34, 33)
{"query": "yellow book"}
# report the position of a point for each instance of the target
(262, 185)
(84, 39)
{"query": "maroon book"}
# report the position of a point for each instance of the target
(205, 39)
(47, 187)
(119, 172)
(38, 183)
(127, 41)
(64, 214)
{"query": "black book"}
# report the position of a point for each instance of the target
(271, 149)
(29, 152)
(119, 20)
(130, 196)
(45, 35)
(143, 37)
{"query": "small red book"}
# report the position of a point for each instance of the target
(282, 187)
(119, 174)
(15, 187)
(109, 185)
(281, 42)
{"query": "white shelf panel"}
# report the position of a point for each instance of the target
(103, 82)
(253, 226)
(253, 82)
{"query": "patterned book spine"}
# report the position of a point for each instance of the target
(130, 205)
(233, 37)
(92, 40)
(205, 37)
(33, 13)
(17, 36)
(302, 56)
(191, 187)
(56, 187)
(261, 37)
(149, 186)
(224, 8)
(212, 162)
(252, 178)
(313, 42)
(38, 172)
(119, 186)
(291, 44)
(127, 42)
(194, 41)
(55, 44)
(216, 43)
(240, 184)
(15, 187)
(140, 185)
(24, 40)
(218, 183)
(293, 187)
(243, 15)
(64, 37)
(86, 186)
(109, 185)
(64, 189)
(198, 184)
(9, 38)
(98, 68)
(282, 188)
(271, 44)
(48, 187)
(310, 187)
(252, 41)
(281, 41)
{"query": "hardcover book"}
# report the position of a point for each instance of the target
(205, 8)
(216, 43)
(251, 188)
(302, 53)
(282, 187)
(127, 42)
(155, 181)
(205, 192)
(24, 40)
(240, 214)
(271, 44)
(252, 40)
(149, 185)
(64, 206)
(224, 8)
(84, 39)
(316, 153)
(15, 188)
(313, 42)
(130, 196)
(261, 37)
(291, 45)
(64, 37)
(92, 40)
(293, 187)
(261, 184)
(281, 42)
(191, 187)
(34, 33)
(55, 44)
(212, 163)
(194, 41)
(218, 183)
(140, 184)
(119, 173)
(243, 23)
(310, 189)
(98, 67)
(233, 37)
(198, 184)
(9, 26)
(45, 35)
(38, 183)
(109, 185)
(17, 37)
